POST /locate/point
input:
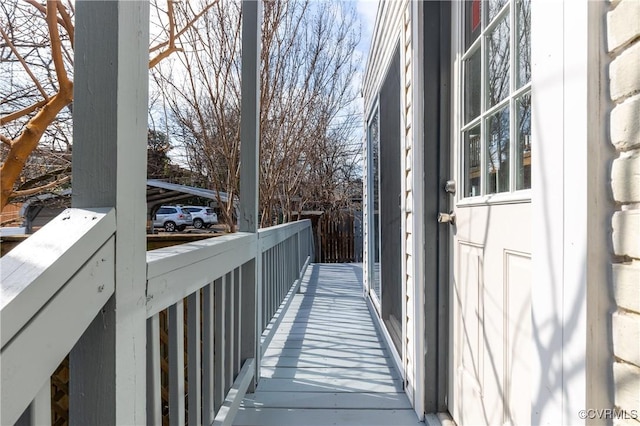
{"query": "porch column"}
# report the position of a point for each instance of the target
(108, 375)
(249, 168)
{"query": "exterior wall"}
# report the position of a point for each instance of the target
(623, 37)
(408, 218)
(393, 25)
(597, 239)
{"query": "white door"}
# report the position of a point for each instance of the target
(491, 235)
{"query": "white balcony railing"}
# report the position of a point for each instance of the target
(207, 295)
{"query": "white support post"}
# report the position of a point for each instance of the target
(251, 283)
(250, 115)
(108, 368)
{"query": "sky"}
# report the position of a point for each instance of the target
(367, 11)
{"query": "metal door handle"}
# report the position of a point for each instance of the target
(450, 187)
(449, 218)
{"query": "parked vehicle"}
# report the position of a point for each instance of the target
(203, 217)
(172, 218)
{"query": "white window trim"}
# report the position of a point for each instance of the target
(512, 196)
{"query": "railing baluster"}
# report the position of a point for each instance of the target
(41, 406)
(283, 272)
(219, 288)
(193, 362)
(208, 410)
(291, 258)
(228, 332)
(278, 270)
(268, 285)
(249, 338)
(154, 386)
(300, 249)
(39, 411)
(265, 291)
(274, 283)
(176, 364)
(237, 324)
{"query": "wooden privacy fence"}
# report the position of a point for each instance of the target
(208, 310)
(339, 237)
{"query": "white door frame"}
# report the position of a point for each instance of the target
(570, 300)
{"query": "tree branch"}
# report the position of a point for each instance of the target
(28, 140)
(24, 64)
(68, 24)
(56, 45)
(162, 55)
(32, 183)
(5, 140)
(43, 10)
(185, 29)
(28, 110)
(32, 191)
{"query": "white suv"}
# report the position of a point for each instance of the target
(203, 217)
(171, 218)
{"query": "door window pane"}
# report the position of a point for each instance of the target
(523, 145)
(498, 62)
(496, 97)
(473, 22)
(472, 79)
(524, 43)
(472, 150)
(494, 7)
(498, 152)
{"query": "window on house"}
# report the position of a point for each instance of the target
(496, 105)
(373, 139)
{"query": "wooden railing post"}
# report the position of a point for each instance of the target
(108, 371)
(249, 163)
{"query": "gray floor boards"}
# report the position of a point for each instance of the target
(326, 364)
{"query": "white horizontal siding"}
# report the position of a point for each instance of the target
(393, 26)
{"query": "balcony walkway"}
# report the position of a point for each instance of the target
(327, 364)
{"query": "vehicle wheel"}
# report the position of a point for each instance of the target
(182, 228)
(170, 227)
(198, 223)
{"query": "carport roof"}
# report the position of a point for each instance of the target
(160, 192)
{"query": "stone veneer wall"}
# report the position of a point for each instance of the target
(623, 37)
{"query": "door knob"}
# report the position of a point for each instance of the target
(449, 218)
(450, 187)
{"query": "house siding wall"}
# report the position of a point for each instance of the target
(385, 36)
(393, 26)
(407, 201)
(623, 37)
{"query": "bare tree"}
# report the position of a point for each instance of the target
(307, 68)
(37, 63)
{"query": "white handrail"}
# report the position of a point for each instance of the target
(175, 272)
(39, 267)
(53, 285)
